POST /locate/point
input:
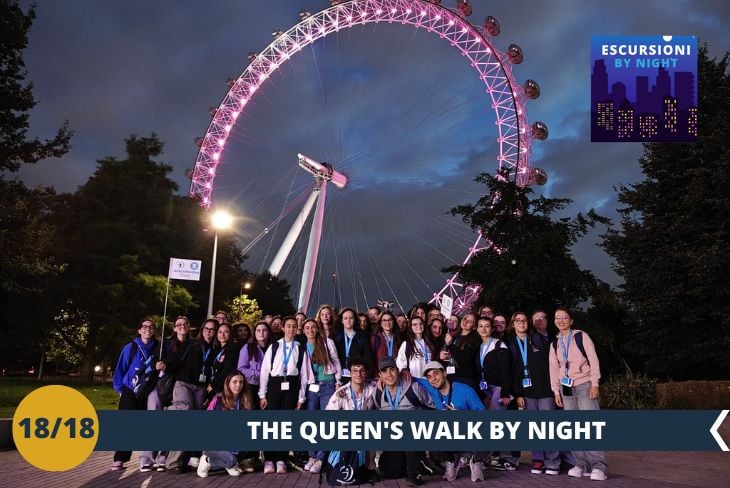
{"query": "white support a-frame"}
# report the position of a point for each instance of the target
(323, 173)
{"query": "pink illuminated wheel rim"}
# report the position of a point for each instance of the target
(492, 66)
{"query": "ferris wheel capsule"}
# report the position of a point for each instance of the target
(199, 141)
(305, 14)
(251, 56)
(212, 111)
(336, 2)
(491, 25)
(539, 131)
(277, 33)
(532, 89)
(464, 7)
(437, 2)
(538, 176)
(514, 53)
(230, 82)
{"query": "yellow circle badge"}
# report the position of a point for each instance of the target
(55, 428)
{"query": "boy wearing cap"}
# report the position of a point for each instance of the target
(400, 394)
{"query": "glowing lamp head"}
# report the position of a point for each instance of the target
(221, 220)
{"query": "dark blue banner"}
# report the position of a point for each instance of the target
(609, 430)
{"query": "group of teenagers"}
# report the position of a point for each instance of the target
(345, 360)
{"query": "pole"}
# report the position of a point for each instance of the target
(212, 276)
(164, 313)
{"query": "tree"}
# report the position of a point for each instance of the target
(115, 237)
(271, 293)
(673, 245)
(27, 264)
(529, 264)
(245, 309)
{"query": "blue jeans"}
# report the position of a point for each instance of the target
(318, 401)
(221, 459)
(551, 458)
(580, 400)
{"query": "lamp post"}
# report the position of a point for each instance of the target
(220, 220)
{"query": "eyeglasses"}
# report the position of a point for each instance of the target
(210, 329)
(180, 325)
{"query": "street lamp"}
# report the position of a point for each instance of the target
(220, 220)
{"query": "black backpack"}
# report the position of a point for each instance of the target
(344, 468)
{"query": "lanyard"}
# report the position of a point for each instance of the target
(238, 403)
(389, 343)
(287, 356)
(218, 356)
(205, 356)
(566, 350)
(354, 399)
(393, 405)
(424, 350)
(522, 344)
(348, 344)
(483, 351)
(448, 397)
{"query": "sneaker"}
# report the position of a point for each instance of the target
(598, 475)
(234, 471)
(248, 466)
(503, 465)
(280, 467)
(450, 472)
(552, 472)
(203, 466)
(477, 470)
(145, 468)
(309, 464)
(193, 462)
(537, 467)
(460, 463)
(425, 468)
(316, 467)
(117, 465)
(268, 467)
(575, 472)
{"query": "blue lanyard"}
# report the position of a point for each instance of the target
(566, 350)
(393, 406)
(205, 356)
(424, 349)
(238, 403)
(522, 344)
(389, 344)
(354, 399)
(218, 356)
(483, 351)
(348, 344)
(448, 397)
(287, 356)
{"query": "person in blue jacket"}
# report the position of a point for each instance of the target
(452, 395)
(134, 376)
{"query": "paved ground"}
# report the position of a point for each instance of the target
(627, 469)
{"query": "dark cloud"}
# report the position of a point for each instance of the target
(396, 109)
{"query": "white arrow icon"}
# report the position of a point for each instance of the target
(716, 426)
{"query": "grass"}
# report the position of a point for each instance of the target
(13, 390)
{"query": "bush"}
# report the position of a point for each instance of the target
(629, 391)
(693, 395)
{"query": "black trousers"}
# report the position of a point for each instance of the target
(392, 464)
(281, 400)
(129, 401)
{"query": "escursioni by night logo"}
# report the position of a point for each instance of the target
(644, 89)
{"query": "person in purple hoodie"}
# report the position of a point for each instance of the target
(249, 361)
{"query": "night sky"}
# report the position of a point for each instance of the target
(396, 109)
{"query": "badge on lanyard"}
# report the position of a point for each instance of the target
(526, 382)
(565, 381)
(284, 386)
(202, 378)
(450, 370)
(483, 385)
(314, 387)
(345, 373)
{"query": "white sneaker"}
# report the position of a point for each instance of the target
(598, 475)
(552, 472)
(316, 467)
(477, 470)
(449, 471)
(280, 467)
(193, 462)
(268, 467)
(309, 464)
(203, 466)
(234, 471)
(575, 472)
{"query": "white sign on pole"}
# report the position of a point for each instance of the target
(184, 269)
(447, 303)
